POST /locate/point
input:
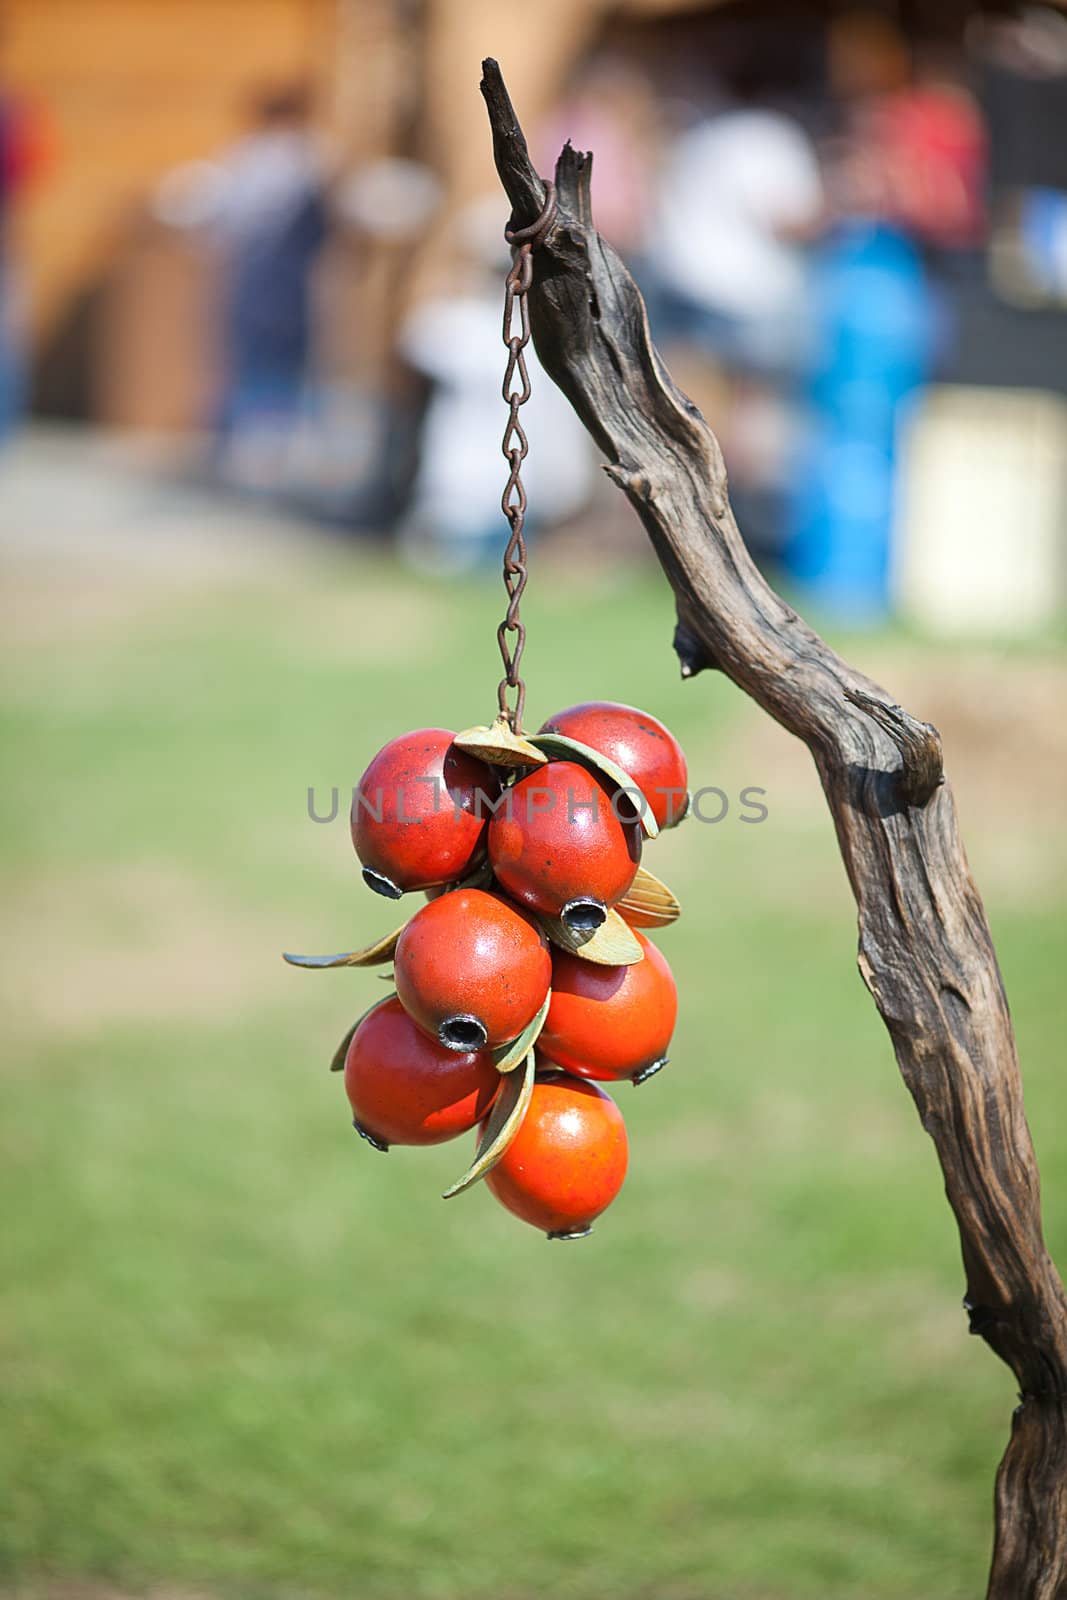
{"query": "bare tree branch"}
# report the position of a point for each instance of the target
(925, 950)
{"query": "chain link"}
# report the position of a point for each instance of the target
(511, 634)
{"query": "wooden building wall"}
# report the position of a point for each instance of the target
(131, 88)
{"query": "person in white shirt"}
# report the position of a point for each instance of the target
(737, 193)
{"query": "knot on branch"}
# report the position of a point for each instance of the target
(634, 483)
(690, 652)
(981, 1320)
(918, 743)
(693, 654)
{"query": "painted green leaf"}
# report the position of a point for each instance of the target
(611, 945)
(648, 903)
(374, 955)
(507, 1058)
(564, 749)
(338, 1062)
(501, 1126)
(499, 746)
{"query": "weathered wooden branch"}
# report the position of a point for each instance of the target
(925, 950)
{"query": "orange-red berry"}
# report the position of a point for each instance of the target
(420, 813)
(405, 1088)
(472, 970)
(610, 1022)
(568, 1160)
(638, 743)
(565, 843)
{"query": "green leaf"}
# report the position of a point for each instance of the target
(373, 955)
(338, 1062)
(611, 945)
(648, 903)
(499, 746)
(501, 1126)
(564, 749)
(507, 1058)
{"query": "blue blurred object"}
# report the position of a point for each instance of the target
(12, 359)
(267, 314)
(1043, 232)
(873, 325)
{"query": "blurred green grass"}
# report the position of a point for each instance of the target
(243, 1354)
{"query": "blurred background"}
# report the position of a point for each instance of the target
(251, 260)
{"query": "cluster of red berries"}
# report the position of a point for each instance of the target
(526, 981)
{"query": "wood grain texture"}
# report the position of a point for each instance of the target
(925, 951)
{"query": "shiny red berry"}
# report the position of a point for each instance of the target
(638, 743)
(472, 970)
(610, 1022)
(565, 843)
(407, 1089)
(420, 813)
(568, 1160)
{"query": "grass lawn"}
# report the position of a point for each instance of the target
(244, 1355)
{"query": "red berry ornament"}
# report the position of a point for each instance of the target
(610, 1022)
(471, 970)
(420, 813)
(515, 840)
(407, 1089)
(638, 743)
(565, 844)
(568, 1160)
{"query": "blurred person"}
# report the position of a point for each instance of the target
(931, 145)
(926, 146)
(263, 203)
(872, 319)
(739, 194)
(338, 441)
(454, 519)
(911, 120)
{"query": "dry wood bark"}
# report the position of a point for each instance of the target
(925, 950)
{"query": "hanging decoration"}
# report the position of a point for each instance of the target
(528, 980)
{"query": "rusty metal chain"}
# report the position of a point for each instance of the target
(516, 391)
